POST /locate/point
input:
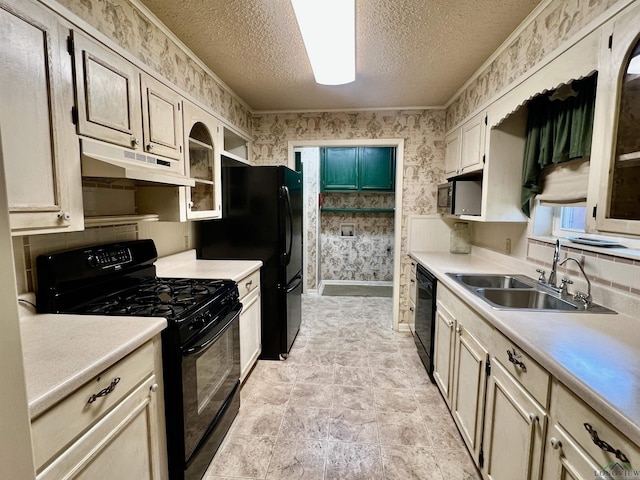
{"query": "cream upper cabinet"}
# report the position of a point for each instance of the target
(472, 149)
(452, 150)
(38, 143)
(161, 118)
(119, 104)
(108, 95)
(618, 120)
(464, 147)
(203, 145)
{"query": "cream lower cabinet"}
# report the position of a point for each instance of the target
(469, 382)
(112, 427)
(496, 393)
(577, 443)
(38, 147)
(413, 288)
(514, 423)
(250, 323)
(443, 351)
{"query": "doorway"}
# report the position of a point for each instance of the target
(345, 234)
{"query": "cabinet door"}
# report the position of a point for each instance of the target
(38, 145)
(376, 168)
(339, 168)
(162, 119)
(443, 351)
(514, 423)
(108, 94)
(469, 383)
(250, 333)
(565, 460)
(472, 149)
(202, 161)
(124, 444)
(452, 150)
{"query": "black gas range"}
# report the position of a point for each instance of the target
(201, 349)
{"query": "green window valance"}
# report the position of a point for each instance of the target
(559, 129)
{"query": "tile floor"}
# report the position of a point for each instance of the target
(352, 401)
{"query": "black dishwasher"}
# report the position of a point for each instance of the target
(425, 317)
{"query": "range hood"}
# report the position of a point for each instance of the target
(111, 161)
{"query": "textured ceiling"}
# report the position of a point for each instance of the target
(409, 53)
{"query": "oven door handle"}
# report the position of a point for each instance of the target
(214, 334)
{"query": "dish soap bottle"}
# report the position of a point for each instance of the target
(460, 238)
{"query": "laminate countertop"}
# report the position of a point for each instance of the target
(63, 352)
(597, 356)
(186, 265)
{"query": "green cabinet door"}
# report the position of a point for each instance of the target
(377, 168)
(339, 168)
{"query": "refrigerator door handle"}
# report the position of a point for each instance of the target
(287, 197)
(297, 281)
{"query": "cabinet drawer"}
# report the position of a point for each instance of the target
(120, 445)
(64, 422)
(522, 367)
(572, 413)
(249, 284)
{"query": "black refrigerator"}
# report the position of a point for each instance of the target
(262, 220)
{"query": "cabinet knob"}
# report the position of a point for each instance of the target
(150, 146)
(134, 142)
(66, 216)
(533, 417)
(555, 443)
(190, 204)
(458, 329)
(449, 323)
(412, 309)
(154, 387)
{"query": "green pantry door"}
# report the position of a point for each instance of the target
(358, 186)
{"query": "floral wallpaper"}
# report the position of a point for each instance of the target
(368, 256)
(423, 168)
(125, 24)
(560, 20)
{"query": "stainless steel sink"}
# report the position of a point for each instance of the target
(529, 299)
(493, 281)
(519, 292)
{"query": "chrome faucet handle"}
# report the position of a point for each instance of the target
(585, 298)
(563, 285)
(541, 277)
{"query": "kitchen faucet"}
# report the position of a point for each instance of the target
(584, 298)
(556, 257)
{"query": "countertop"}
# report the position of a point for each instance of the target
(63, 352)
(597, 356)
(185, 264)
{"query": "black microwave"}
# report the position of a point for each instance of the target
(460, 197)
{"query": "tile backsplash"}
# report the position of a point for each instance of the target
(602, 268)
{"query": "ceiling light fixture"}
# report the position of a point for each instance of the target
(328, 31)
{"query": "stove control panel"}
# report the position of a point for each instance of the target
(109, 258)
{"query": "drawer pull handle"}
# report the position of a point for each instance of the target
(248, 284)
(105, 391)
(515, 361)
(555, 443)
(533, 418)
(604, 445)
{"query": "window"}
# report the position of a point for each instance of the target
(572, 218)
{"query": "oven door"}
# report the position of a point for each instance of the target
(210, 372)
